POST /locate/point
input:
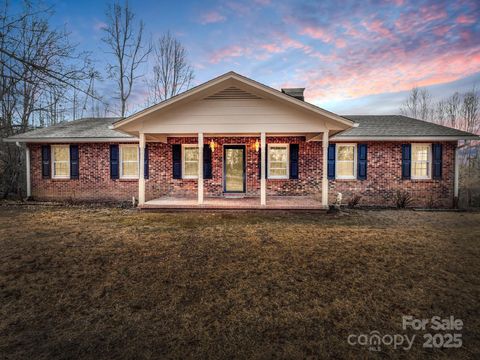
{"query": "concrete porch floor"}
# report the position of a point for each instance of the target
(245, 203)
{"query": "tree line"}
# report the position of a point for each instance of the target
(460, 110)
(45, 79)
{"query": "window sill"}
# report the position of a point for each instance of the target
(281, 179)
(128, 179)
(60, 179)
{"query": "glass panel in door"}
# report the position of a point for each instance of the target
(234, 169)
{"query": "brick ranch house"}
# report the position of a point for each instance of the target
(235, 142)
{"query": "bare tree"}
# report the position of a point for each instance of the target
(470, 121)
(418, 105)
(453, 104)
(33, 54)
(172, 73)
(37, 65)
(439, 113)
(470, 111)
(125, 41)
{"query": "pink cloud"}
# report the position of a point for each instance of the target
(400, 71)
(272, 48)
(320, 34)
(228, 52)
(212, 17)
(433, 12)
(289, 43)
(412, 22)
(316, 33)
(442, 30)
(352, 31)
(340, 43)
(465, 19)
(377, 26)
(261, 51)
(466, 35)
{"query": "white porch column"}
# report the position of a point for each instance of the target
(325, 169)
(141, 172)
(27, 163)
(200, 168)
(263, 170)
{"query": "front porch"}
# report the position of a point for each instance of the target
(233, 135)
(236, 203)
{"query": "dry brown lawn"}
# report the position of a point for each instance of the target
(97, 283)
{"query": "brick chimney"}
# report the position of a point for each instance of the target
(297, 93)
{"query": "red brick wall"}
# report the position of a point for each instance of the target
(383, 180)
(160, 181)
(94, 182)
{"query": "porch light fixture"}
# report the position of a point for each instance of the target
(256, 146)
(212, 145)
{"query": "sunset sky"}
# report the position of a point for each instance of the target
(353, 57)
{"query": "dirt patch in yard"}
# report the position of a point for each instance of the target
(111, 283)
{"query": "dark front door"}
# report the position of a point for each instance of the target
(234, 168)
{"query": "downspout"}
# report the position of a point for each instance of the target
(456, 180)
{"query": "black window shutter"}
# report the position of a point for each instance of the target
(207, 162)
(331, 161)
(46, 161)
(114, 161)
(437, 161)
(294, 161)
(266, 162)
(145, 163)
(406, 160)
(74, 174)
(177, 161)
(362, 162)
(260, 163)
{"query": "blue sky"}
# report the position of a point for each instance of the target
(354, 57)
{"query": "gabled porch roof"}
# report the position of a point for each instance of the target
(232, 103)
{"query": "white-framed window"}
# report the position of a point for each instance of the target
(278, 161)
(61, 161)
(346, 161)
(129, 161)
(190, 161)
(421, 161)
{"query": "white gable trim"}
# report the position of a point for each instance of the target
(243, 79)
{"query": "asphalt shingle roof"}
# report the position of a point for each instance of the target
(368, 126)
(85, 128)
(396, 126)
